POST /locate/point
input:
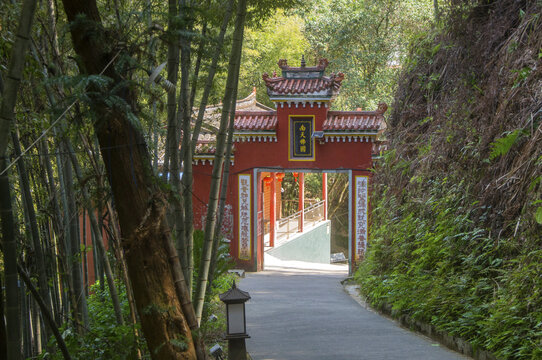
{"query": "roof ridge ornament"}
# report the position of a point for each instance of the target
(382, 107)
(322, 63)
(338, 77)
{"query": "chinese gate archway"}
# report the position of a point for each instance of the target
(301, 135)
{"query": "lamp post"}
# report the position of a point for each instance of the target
(236, 332)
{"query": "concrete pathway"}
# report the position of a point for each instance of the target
(300, 311)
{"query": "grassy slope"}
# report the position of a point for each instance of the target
(455, 236)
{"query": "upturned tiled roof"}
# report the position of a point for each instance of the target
(284, 86)
(355, 120)
(255, 120)
(303, 82)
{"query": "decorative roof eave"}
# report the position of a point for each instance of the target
(302, 98)
(367, 132)
(255, 133)
(255, 136)
(208, 158)
(348, 138)
(302, 102)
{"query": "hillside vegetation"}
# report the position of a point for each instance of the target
(457, 205)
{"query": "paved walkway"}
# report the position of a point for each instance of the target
(300, 311)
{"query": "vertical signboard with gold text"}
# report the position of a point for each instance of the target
(245, 214)
(361, 221)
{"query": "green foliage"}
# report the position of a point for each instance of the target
(313, 186)
(501, 146)
(104, 338)
(180, 343)
(522, 74)
(279, 37)
(212, 330)
(430, 260)
(455, 236)
(367, 41)
(224, 261)
(538, 212)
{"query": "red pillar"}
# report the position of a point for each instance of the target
(259, 219)
(324, 193)
(272, 211)
(301, 180)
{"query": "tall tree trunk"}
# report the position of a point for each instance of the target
(64, 235)
(98, 237)
(58, 260)
(211, 74)
(172, 144)
(197, 65)
(140, 203)
(9, 98)
(41, 270)
(80, 311)
(25, 311)
(96, 230)
(3, 331)
(52, 226)
(46, 313)
(223, 191)
(185, 113)
(36, 328)
(188, 148)
(9, 247)
(231, 84)
(172, 160)
(15, 72)
(114, 237)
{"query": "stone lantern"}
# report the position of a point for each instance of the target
(236, 333)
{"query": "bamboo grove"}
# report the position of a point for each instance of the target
(82, 137)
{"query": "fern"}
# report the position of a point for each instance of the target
(501, 146)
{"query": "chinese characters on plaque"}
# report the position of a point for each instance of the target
(301, 137)
(244, 217)
(361, 216)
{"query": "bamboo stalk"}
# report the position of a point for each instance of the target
(231, 84)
